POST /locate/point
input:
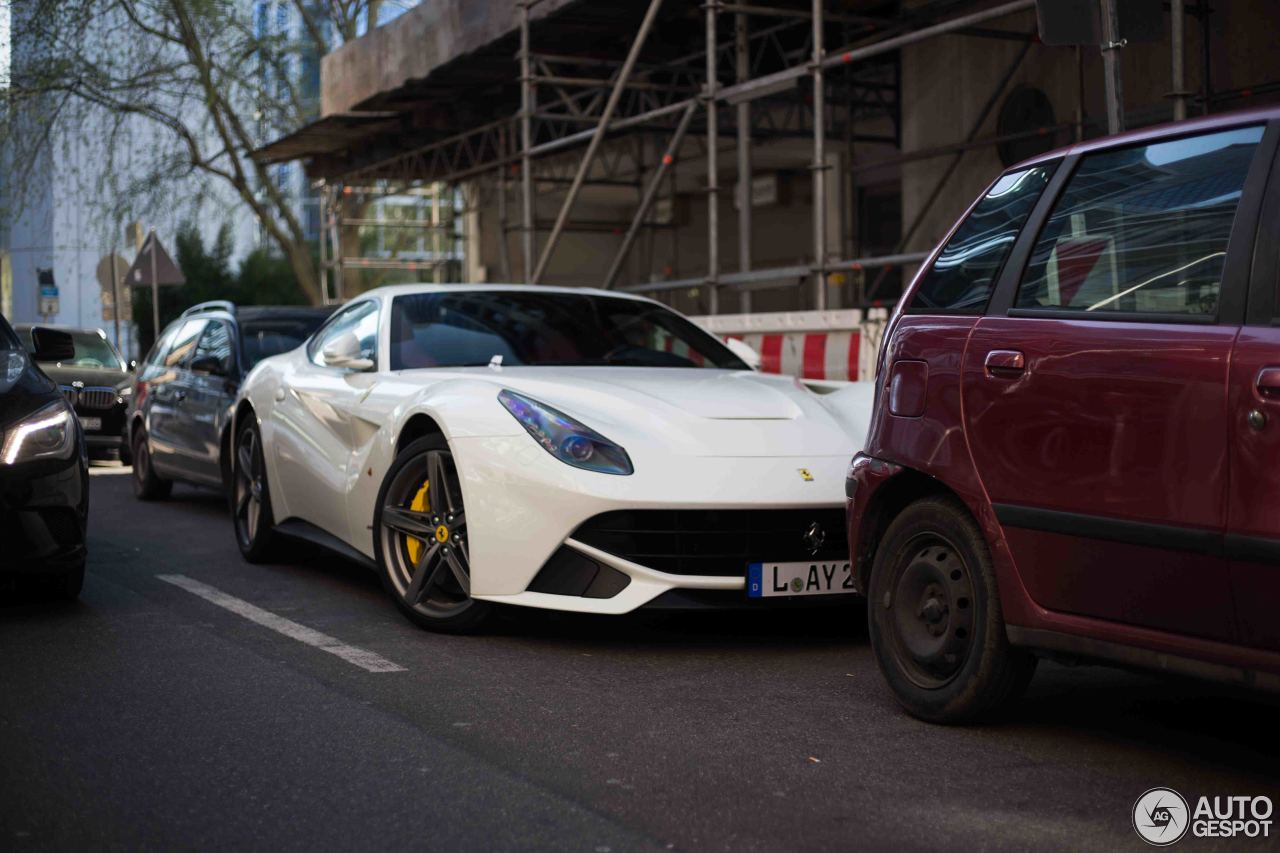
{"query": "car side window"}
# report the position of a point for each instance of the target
(1143, 230)
(360, 319)
(160, 348)
(965, 271)
(184, 343)
(216, 343)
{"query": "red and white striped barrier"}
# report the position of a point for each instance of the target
(835, 346)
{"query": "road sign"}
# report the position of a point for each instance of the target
(153, 266)
(111, 281)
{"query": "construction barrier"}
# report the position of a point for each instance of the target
(836, 346)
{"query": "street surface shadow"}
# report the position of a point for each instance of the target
(815, 626)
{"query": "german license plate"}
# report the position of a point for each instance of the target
(91, 424)
(767, 580)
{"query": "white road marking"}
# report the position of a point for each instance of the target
(360, 657)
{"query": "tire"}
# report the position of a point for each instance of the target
(428, 576)
(933, 612)
(147, 484)
(251, 502)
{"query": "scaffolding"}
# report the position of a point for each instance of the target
(573, 102)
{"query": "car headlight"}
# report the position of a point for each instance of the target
(564, 438)
(12, 363)
(43, 434)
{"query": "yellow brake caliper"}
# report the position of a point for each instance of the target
(421, 503)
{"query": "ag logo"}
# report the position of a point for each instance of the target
(1161, 817)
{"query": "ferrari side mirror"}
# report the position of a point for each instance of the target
(344, 352)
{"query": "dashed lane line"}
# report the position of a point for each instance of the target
(362, 658)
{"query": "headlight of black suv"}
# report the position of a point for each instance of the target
(47, 433)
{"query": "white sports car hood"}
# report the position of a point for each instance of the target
(699, 412)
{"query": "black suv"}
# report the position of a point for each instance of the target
(185, 389)
(97, 382)
(44, 469)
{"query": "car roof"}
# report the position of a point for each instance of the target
(1155, 133)
(250, 313)
(88, 330)
(393, 290)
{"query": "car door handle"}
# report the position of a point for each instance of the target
(1005, 362)
(1268, 382)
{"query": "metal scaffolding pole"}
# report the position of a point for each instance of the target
(323, 199)
(713, 166)
(819, 166)
(527, 106)
(1177, 69)
(589, 157)
(1111, 44)
(335, 240)
(742, 71)
(650, 193)
(504, 251)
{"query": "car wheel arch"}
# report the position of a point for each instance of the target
(902, 490)
(418, 425)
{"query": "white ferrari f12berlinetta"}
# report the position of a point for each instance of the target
(559, 448)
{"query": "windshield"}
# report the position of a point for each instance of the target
(265, 338)
(471, 328)
(92, 350)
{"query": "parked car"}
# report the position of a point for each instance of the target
(44, 466)
(98, 382)
(180, 417)
(609, 455)
(1077, 426)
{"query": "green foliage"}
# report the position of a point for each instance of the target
(261, 279)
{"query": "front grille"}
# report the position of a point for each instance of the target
(717, 542)
(90, 399)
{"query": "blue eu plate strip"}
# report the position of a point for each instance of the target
(755, 580)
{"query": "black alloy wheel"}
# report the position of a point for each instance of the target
(251, 500)
(421, 540)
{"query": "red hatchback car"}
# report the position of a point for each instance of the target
(1075, 450)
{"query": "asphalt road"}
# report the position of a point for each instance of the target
(146, 716)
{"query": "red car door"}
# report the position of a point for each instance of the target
(1253, 522)
(1095, 393)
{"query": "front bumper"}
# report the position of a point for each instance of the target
(111, 436)
(533, 504)
(44, 508)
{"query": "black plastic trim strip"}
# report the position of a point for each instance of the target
(1002, 295)
(1146, 534)
(296, 528)
(1253, 549)
(1123, 655)
(1115, 316)
(1261, 307)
